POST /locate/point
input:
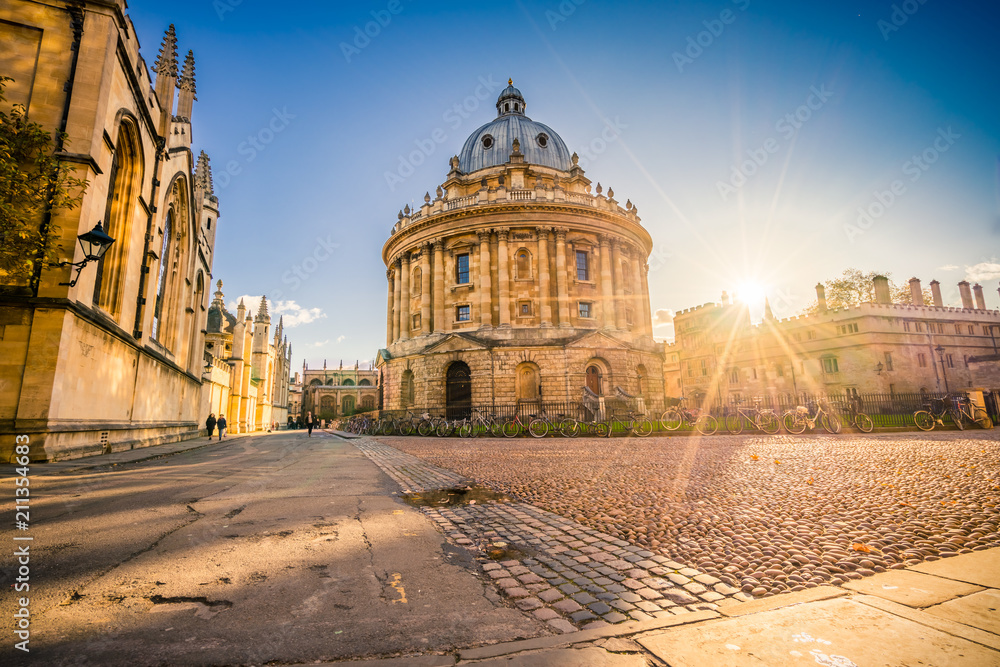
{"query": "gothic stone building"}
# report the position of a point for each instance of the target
(516, 283)
(116, 360)
(246, 370)
(334, 393)
(878, 347)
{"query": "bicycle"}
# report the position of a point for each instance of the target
(673, 417)
(762, 419)
(540, 426)
(515, 425)
(797, 420)
(859, 419)
(630, 423)
(957, 407)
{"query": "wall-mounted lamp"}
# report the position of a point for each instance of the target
(879, 368)
(94, 244)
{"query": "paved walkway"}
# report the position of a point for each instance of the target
(617, 604)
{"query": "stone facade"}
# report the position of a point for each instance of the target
(517, 281)
(253, 389)
(329, 394)
(878, 347)
(116, 361)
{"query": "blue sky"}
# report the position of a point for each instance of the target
(752, 136)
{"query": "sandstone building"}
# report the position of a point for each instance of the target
(246, 369)
(116, 360)
(334, 393)
(518, 281)
(878, 347)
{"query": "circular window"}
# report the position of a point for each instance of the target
(487, 142)
(542, 140)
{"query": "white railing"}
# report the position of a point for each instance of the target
(521, 195)
(579, 198)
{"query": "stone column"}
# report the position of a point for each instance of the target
(396, 299)
(485, 302)
(638, 310)
(544, 290)
(562, 295)
(439, 321)
(503, 276)
(389, 309)
(647, 321)
(616, 264)
(404, 305)
(607, 294)
(425, 288)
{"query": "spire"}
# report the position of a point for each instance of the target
(186, 80)
(510, 102)
(768, 315)
(203, 174)
(166, 61)
(218, 300)
(262, 314)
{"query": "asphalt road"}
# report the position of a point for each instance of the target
(276, 548)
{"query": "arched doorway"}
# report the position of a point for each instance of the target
(458, 391)
(595, 379)
(409, 389)
(347, 405)
(527, 383)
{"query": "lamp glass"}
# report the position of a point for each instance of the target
(95, 243)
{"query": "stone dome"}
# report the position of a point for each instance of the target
(491, 144)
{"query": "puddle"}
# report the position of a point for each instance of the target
(504, 551)
(470, 495)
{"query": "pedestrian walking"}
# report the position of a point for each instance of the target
(210, 425)
(222, 426)
(309, 423)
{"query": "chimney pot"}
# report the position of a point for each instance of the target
(936, 294)
(916, 293)
(966, 292)
(980, 297)
(821, 297)
(882, 290)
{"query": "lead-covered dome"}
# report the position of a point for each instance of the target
(491, 144)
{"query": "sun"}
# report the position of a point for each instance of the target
(751, 293)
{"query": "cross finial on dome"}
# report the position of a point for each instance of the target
(510, 82)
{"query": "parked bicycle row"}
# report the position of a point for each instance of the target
(817, 414)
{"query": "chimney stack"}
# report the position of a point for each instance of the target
(966, 292)
(725, 298)
(936, 294)
(916, 294)
(980, 297)
(821, 297)
(882, 290)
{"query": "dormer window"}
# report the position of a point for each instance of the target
(542, 140)
(487, 142)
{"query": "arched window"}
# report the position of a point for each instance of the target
(408, 388)
(415, 282)
(523, 264)
(348, 382)
(316, 382)
(328, 407)
(528, 382)
(161, 281)
(124, 183)
(641, 380)
(368, 403)
(347, 405)
(627, 277)
(364, 382)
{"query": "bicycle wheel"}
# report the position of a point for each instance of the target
(793, 423)
(642, 427)
(569, 427)
(957, 417)
(864, 422)
(496, 428)
(464, 430)
(734, 423)
(707, 424)
(538, 427)
(510, 428)
(425, 428)
(831, 423)
(769, 423)
(982, 419)
(924, 420)
(444, 429)
(671, 419)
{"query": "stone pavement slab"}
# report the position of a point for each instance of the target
(980, 610)
(944, 625)
(911, 588)
(568, 657)
(978, 567)
(735, 608)
(839, 632)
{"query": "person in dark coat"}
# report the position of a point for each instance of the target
(210, 425)
(222, 426)
(310, 423)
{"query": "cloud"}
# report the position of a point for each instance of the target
(664, 317)
(948, 267)
(321, 343)
(292, 314)
(979, 273)
(340, 339)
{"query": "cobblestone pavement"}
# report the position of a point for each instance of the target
(763, 514)
(565, 574)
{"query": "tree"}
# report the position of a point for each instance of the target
(33, 182)
(855, 286)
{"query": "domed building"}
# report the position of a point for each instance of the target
(518, 282)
